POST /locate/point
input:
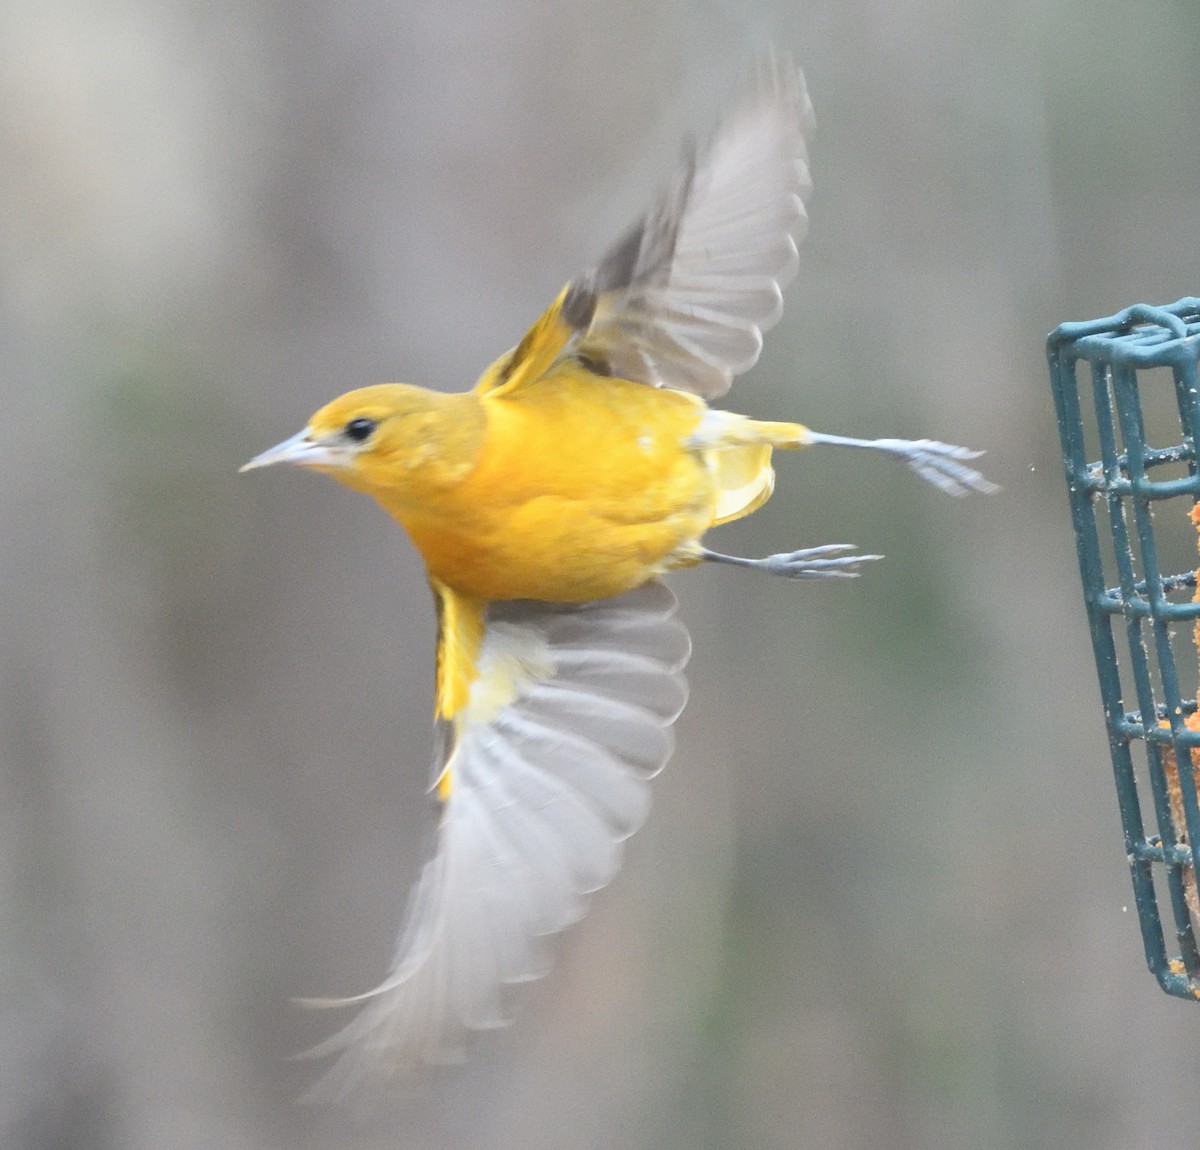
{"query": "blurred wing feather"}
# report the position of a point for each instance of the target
(568, 719)
(683, 298)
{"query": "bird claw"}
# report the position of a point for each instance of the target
(941, 464)
(812, 562)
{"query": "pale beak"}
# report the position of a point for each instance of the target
(302, 449)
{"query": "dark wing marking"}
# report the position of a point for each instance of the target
(684, 299)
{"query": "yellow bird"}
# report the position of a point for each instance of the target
(546, 502)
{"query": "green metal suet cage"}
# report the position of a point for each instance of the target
(1128, 403)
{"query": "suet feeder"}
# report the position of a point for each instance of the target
(1126, 392)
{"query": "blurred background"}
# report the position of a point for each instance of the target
(882, 899)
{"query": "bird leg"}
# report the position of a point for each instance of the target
(938, 463)
(941, 464)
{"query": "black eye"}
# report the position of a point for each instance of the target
(359, 429)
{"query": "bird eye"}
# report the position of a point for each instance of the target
(359, 429)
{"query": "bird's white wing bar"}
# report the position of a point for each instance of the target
(567, 722)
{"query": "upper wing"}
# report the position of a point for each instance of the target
(682, 299)
(567, 720)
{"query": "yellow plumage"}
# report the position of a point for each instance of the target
(545, 503)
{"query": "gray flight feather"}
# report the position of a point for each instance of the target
(683, 298)
(546, 789)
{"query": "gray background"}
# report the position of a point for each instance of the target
(882, 899)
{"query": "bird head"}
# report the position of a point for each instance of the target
(388, 437)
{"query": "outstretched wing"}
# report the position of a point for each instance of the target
(682, 299)
(567, 719)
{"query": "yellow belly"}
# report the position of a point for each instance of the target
(583, 490)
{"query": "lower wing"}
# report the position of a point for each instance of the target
(564, 724)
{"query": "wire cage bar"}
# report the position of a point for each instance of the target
(1128, 403)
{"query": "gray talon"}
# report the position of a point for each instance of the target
(937, 463)
(809, 563)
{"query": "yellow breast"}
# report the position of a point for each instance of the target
(582, 489)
